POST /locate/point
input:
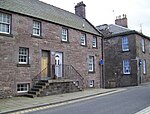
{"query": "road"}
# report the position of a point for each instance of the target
(129, 101)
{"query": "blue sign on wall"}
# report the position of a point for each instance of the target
(101, 62)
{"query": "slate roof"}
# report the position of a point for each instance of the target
(113, 30)
(41, 10)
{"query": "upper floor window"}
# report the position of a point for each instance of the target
(126, 66)
(94, 43)
(5, 23)
(23, 55)
(91, 64)
(143, 45)
(125, 44)
(64, 34)
(144, 66)
(36, 28)
(83, 39)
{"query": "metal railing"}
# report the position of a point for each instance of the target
(60, 72)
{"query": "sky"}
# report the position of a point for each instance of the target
(100, 12)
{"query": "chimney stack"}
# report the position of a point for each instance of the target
(80, 9)
(122, 21)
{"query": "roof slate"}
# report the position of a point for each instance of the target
(41, 10)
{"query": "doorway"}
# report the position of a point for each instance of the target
(58, 64)
(45, 59)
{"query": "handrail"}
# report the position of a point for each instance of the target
(38, 76)
(66, 71)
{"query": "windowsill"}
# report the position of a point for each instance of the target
(64, 41)
(92, 72)
(5, 34)
(23, 65)
(83, 45)
(95, 47)
(35, 36)
(125, 50)
(126, 73)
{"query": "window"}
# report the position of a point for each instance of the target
(36, 28)
(22, 88)
(5, 21)
(91, 83)
(94, 43)
(143, 45)
(144, 66)
(83, 39)
(23, 55)
(91, 64)
(64, 36)
(125, 44)
(126, 66)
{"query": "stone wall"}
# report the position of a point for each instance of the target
(74, 54)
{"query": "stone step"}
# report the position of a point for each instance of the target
(32, 92)
(35, 89)
(38, 86)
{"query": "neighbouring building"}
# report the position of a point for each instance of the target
(126, 55)
(38, 40)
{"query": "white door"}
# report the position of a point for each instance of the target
(58, 64)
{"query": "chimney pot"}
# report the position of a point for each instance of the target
(122, 21)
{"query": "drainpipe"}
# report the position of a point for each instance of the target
(103, 65)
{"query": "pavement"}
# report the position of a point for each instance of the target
(21, 105)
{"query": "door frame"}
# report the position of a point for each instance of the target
(49, 61)
(62, 61)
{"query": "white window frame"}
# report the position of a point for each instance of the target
(83, 39)
(64, 34)
(94, 42)
(126, 67)
(125, 44)
(36, 28)
(144, 66)
(23, 54)
(91, 64)
(91, 83)
(5, 23)
(24, 86)
(143, 45)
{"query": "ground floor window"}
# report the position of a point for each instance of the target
(22, 87)
(126, 67)
(144, 66)
(91, 83)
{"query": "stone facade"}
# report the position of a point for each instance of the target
(114, 56)
(12, 73)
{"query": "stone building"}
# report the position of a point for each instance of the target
(126, 54)
(41, 41)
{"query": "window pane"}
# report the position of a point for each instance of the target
(4, 23)
(64, 34)
(91, 63)
(36, 28)
(125, 44)
(23, 55)
(83, 38)
(94, 42)
(126, 66)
